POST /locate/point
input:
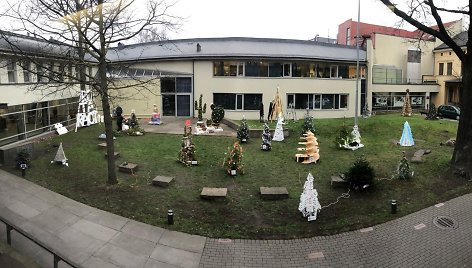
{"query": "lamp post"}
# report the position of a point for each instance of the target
(357, 62)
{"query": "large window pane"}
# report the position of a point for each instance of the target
(218, 68)
(252, 101)
(225, 100)
(343, 101)
(252, 68)
(322, 70)
(301, 69)
(301, 101)
(167, 85)
(317, 102)
(275, 69)
(327, 101)
(343, 71)
(239, 101)
(184, 84)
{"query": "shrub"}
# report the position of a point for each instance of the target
(23, 157)
(344, 137)
(361, 174)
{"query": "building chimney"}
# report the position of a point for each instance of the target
(199, 48)
(121, 46)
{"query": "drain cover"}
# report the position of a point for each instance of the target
(445, 222)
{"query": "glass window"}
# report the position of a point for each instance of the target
(343, 101)
(301, 69)
(287, 69)
(11, 69)
(317, 102)
(348, 36)
(218, 68)
(167, 85)
(252, 68)
(184, 84)
(343, 71)
(290, 100)
(252, 101)
(441, 68)
(40, 72)
(449, 68)
(51, 74)
(322, 70)
(225, 100)
(26, 71)
(301, 101)
(334, 71)
(239, 102)
(327, 101)
(275, 69)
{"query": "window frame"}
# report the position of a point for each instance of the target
(441, 68)
(237, 97)
(11, 72)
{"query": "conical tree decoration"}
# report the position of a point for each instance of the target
(406, 110)
(407, 137)
(309, 205)
(60, 156)
(266, 138)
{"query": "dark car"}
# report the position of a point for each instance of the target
(449, 111)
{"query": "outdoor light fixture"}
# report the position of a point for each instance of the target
(170, 217)
(23, 170)
(393, 206)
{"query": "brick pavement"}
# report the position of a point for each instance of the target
(393, 244)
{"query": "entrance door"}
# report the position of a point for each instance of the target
(168, 105)
(183, 105)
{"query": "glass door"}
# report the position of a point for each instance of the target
(183, 105)
(168, 105)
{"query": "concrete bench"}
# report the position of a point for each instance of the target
(128, 167)
(115, 155)
(102, 145)
(337, 181)
(213, 193)
(273, 193)
(162, 181)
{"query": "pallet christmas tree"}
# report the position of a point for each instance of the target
(309, 205)
(187, 151)
(310, 153)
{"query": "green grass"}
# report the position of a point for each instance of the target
(243, 214)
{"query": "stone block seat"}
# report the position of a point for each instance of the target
(162, 181)
(102, 145)
(128, 167)
(273, 193)
(213, 193)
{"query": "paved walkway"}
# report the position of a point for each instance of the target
(89, 237)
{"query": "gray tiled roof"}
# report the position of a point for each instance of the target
(237, 47)
(460, 39)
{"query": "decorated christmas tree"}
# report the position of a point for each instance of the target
(403, 169)
(233, 161)
(309, 205)
(307, 123)
(243, 131)
(344, 137)
(432, 113)
(187, 154)
(279, 130)
(217, 114)
(406, 109)
(266, 138)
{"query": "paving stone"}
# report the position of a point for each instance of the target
(213, 193)
(94, 230)
(162, 181)
(107, 219)
(142, 230)
(273, 193)
(337, 181)
(120, 257)
(151, 263)
(194, 243)
(97, 262)
(133, 244)
(102, 145)
(23, 210)
(177, 257)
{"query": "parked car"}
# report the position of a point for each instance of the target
(449, 111)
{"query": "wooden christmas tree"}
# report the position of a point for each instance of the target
(310, 151)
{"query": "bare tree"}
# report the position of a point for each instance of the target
(88, 29)
(420, 13)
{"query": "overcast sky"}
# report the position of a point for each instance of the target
(296, 19)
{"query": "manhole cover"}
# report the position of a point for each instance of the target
(445, 222)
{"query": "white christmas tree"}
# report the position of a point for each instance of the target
(309, 205)
(279, 131)
(407, 137)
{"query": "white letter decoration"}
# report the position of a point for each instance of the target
(309, 204)
(86, 112)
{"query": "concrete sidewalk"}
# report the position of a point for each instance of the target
(88, 237)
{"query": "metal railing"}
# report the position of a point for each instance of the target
(57, 257)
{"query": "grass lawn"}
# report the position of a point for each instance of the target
(243, 214)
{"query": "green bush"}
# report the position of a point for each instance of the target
(361, 174)
(23, 157)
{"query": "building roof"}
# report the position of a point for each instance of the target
(460, 39)
(234, 47)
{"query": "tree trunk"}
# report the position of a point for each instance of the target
(462, 156)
